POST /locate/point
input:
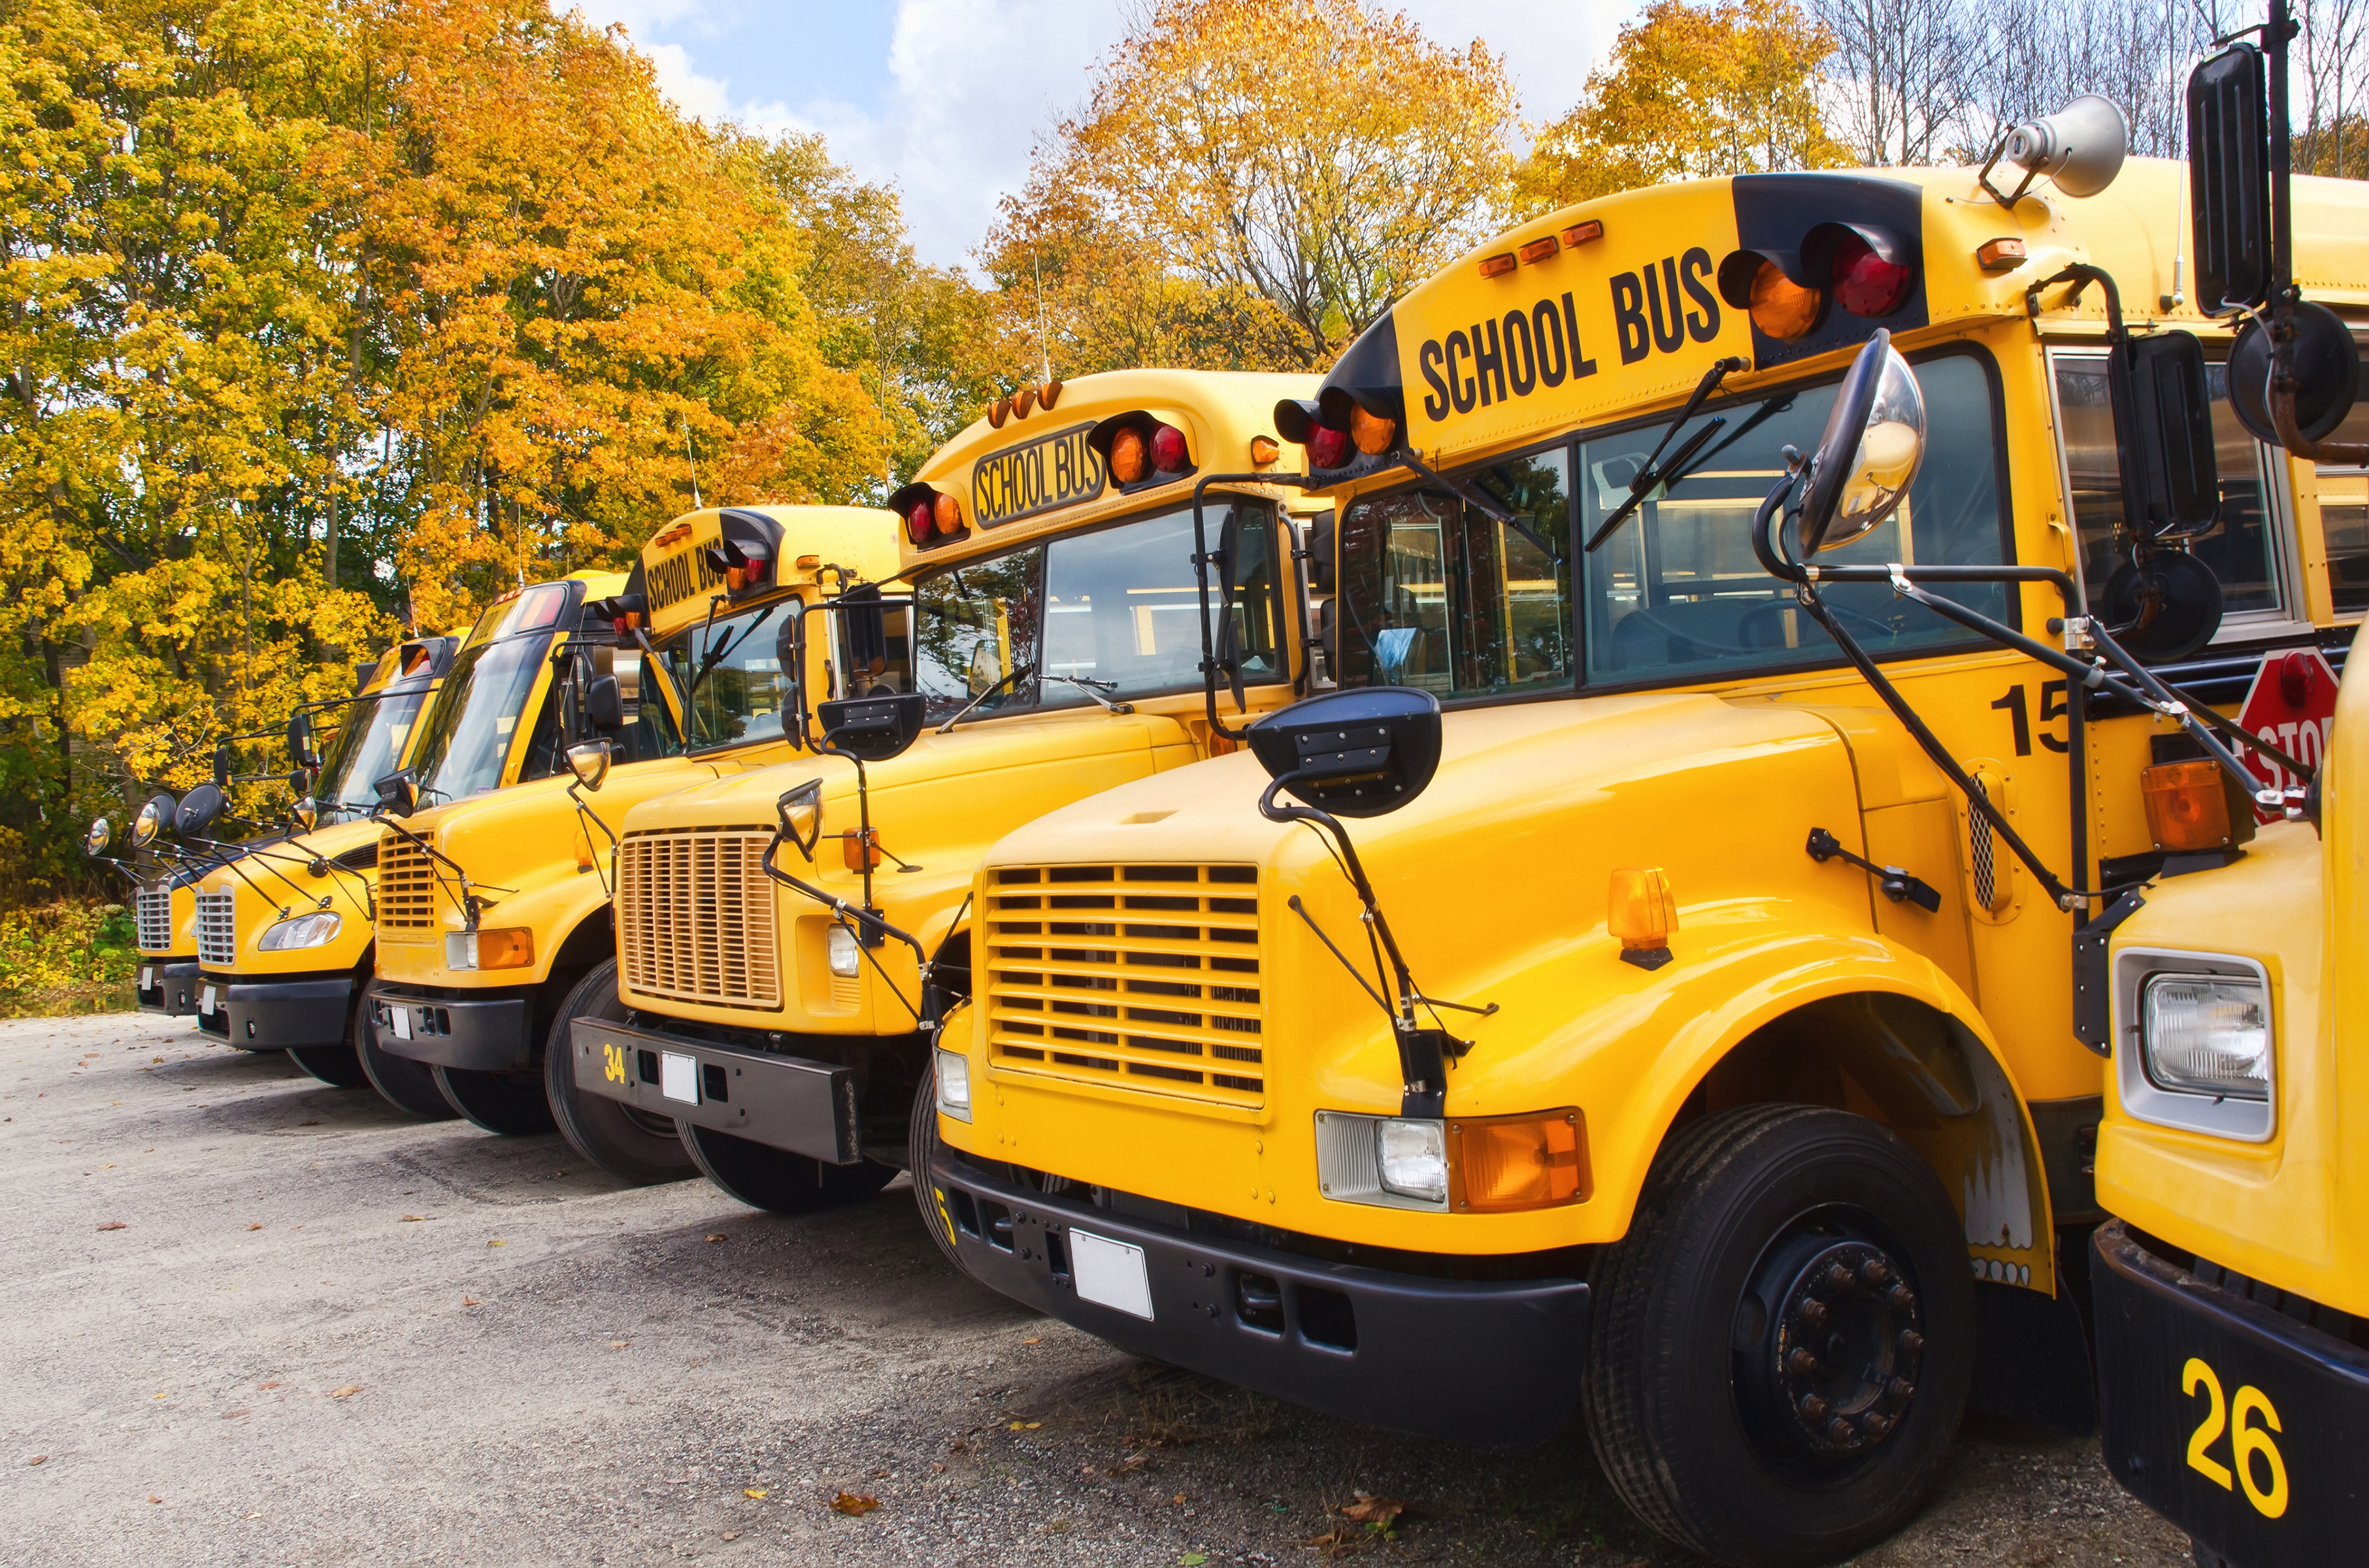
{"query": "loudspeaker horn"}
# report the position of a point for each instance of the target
(2081, 146)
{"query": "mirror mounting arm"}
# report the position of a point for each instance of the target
(1201, 564)
(871, 929)
(2081, 274)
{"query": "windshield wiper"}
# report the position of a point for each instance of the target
(1095, 689)
(1656, 473)
(972, 706)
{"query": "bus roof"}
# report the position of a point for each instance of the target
(1048, 469)
(677, 576)
(1619, 304)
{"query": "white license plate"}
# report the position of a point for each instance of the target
(148, 980)
(1110, 1273)
(679, 1077)
(206, 999)
(401, 1018)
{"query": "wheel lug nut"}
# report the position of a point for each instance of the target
(1902, 1390)
(1877, 1425)
(1900, 1298)
(1841, 1431)
(1911, 1341)
(1841, 1279)
(1801, 1362)
(1813, 1313)
(1874, 1272)
(1814, 1407)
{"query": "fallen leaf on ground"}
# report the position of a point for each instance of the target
(112, 1225)
(153, 1498)
(157, 1058)
(1032, 1342)
(308, 1124)
(1370, 1509)
(38, 1459)
(468, 1300)
(1178, 1500)
(234, 1414)
(718, 1237)
(349, 1392)
(497, 1243)
(1193, 1558)
(256, 1227)
(758, 1492)
(1027, 1425)
(731, 1535)
(409, 1218)
(273, 1384)
(1130, 1464)
(854, 1503)
(619, 1343)
(934, 1466)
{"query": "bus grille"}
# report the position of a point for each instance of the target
(1141, 978)
(696, 917)
(218, 928)
(406, 890)
(152, 907)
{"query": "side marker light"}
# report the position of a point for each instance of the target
(1498, 266)
(1642, 912)
(1538, 249)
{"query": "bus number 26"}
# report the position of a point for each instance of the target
(2248, 1443)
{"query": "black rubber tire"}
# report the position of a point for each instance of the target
(920, 1144)
(409, 1086)
(510, 1105)
(337, 1065)
(765, 1177)
(631, 1145)
(1664, 1411)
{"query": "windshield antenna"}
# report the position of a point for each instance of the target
(1044, 343)
(692, 457)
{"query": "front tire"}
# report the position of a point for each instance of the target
(630, 1144)
(920, 1148)
(765, 1177)
(509, 1104)
(409, 1086)
(337, 1065)
(1783, 1340)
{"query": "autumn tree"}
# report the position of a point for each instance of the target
(1248, 184)
(1689, 91)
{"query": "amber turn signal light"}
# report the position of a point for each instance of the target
(1642, 912)
(861, 849)
(947, 513)
(510, 949)
(1500, 1163)
(1783, 308)
(1127, 455)
(1497, 265)
(1371, 432)
(2187, 808)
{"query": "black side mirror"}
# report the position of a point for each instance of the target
(198, 808)
(299, 781)
(2166, 433)
(398, 793)
(2230, 179)
(2327, 373)
(156, 816)
(604, 704)
(1229, 644)
(300, 741)
(225, 764)
(872, 728)
(865, 630)
(1353, 753)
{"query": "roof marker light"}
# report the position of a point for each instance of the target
(1497, 265)
(1538, 249)
(1581, 234)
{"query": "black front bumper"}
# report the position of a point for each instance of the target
(807, 1107)
(487, 1031)
(2187, 1370)
(169, 988)
(1469, 1360)
(273, 1015)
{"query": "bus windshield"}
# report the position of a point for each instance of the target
(367, 746)
(475, 715)
(1117, 608)
(1436, 593)
(740, 697)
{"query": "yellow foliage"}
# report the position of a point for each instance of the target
(1689, 91)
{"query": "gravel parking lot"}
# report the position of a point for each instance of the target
(257, 1320)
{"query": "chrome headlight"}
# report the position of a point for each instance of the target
(2207, 1034)
(954, 1085)
(840, 947)
(1411, 1157)
(304, 931)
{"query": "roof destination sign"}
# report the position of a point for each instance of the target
(1055, 470)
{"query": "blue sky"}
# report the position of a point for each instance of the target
(943, 97)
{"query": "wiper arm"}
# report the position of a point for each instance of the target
(1095, 689)
(723, 651)
(1655, 473)
(972, 706)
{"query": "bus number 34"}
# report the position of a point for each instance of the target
(2247, 1442)
(612, 1064)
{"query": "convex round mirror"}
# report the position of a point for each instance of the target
(590, 761)
(306, 812)
(1873, 444)
(156, 816)
(1354, 754)
(94, 843)
(198, 811)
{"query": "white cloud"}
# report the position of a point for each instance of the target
(971, 84)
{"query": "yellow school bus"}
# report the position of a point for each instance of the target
(169, 980)
(495, 887)
(1679, 1042)
(283, 931)
(1055, 638)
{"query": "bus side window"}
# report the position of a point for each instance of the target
(2250, 548)
(547, 750)
(2344, 519)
